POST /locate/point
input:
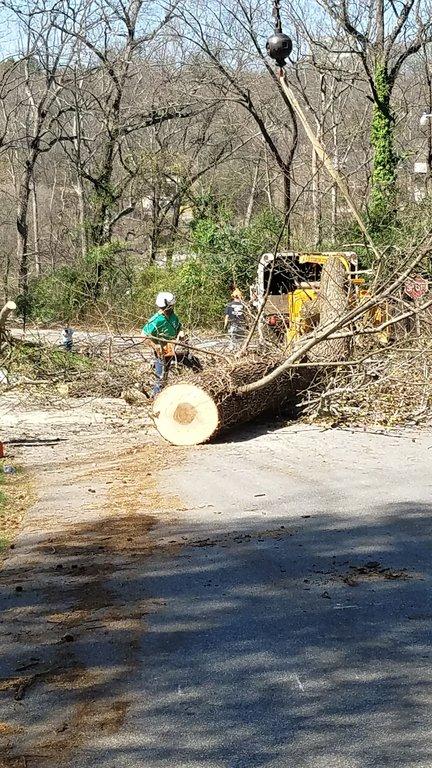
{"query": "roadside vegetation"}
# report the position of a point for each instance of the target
(109, 284)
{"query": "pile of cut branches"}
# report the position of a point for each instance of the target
(391, 388)
(191, 413)
(42, 368)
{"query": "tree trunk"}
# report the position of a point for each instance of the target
(287, 208)
(154, 235)
(22, 228)
(334, 190)
(249, 210)
(104, 197)
(35, 215)
(383, 188)
(316, 184)
(51, 246)
(98, 228)
(192, 413)
(6, 275)
(269, 189)
(332, 305)
(175, 223)
(79, 190)
(79, 184)
(8, 308)
(316, 204)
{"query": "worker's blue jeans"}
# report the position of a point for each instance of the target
(161, 366)
(237, 335)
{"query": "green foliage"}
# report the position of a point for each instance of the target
(46, 362)
(201, 291)
(69, 293)
(224, 255)
(57, 297)
(104, 284)
(106, 270)
(235, 250)
(383, 190)
(205, 206)
(101, 204)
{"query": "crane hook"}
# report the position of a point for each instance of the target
(279, 45)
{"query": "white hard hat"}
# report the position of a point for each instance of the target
(165, 299)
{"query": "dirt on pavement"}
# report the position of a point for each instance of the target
(94, 471)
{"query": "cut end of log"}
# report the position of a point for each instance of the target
(185, 414)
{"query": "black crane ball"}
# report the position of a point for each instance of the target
(279, 47)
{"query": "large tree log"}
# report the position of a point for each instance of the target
(197, 409)
(332, 304)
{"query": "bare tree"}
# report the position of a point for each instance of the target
(382, 35)
(42, 67)
(110, 93)
(229, 36)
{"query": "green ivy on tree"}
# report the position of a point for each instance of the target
(383, 190)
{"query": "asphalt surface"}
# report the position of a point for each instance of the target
(281, 617)
(118, 344)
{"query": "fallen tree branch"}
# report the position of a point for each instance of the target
(387, 324)
(393, 389)
(188, 346)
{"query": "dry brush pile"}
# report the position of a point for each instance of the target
(91, 372)
(391, 388)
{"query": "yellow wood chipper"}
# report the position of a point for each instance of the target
(296, 289)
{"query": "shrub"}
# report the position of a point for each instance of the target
(58, 297)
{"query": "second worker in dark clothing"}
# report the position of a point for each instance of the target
(235, 320)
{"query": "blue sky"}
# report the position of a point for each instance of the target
(9, 35)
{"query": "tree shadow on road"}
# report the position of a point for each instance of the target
(301, 643)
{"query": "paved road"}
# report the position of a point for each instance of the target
(279, 616)
(100, 342)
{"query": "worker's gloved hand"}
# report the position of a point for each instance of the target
(183, 338)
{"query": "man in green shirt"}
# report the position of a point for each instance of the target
(162, 329)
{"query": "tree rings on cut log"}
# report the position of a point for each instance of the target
(185, 414)
(197, 409)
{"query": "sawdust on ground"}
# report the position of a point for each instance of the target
(19, 495)
(132, 508)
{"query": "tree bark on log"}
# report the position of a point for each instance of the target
(332, 304)
(195, 410)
